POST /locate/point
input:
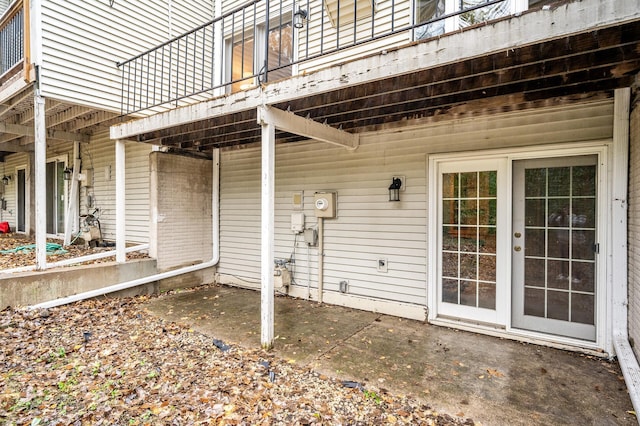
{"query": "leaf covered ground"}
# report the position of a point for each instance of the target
(21, 258)
(109, 361)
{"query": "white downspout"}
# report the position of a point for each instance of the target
(620, 309)
(215, 225)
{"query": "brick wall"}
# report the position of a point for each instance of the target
(180, 200)
(634, 223)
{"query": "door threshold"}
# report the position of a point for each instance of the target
(552, 341)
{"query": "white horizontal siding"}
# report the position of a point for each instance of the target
(368, 227)
(81, 45)
(9, 192)
(99, 154)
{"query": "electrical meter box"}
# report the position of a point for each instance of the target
(324, 204)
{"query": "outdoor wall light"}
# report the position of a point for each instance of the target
(299, 16)
(66, 174)
(394, 189)
(6, 179)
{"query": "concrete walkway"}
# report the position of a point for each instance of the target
(493, 381)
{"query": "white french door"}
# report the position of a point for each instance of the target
(516, 241)
(555, 246)
(470, 242)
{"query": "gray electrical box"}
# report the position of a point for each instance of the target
(324, 204)
(311, 237)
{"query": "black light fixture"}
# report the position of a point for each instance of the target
(6, 179)
(299, 16)
(394, 189)
(66, 174)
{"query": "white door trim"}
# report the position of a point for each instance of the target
(604, 285)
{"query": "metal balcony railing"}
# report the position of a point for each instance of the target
(12, 38)
(267, 40)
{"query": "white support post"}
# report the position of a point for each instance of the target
(121, 255)
(40, 154)
(268, 233)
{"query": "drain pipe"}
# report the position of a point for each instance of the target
(619, 259)
(215, 204)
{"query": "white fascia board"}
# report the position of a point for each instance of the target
(530, 28)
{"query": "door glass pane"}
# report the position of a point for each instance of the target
(51, 197)
(280, 51)
(559, 259)
(468, 248)
(21, 200)
(242, 63)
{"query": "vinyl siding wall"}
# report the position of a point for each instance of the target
(369, 227)
(99, 155)
(82, 42)
(9, 167)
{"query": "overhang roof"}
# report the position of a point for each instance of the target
(568, 68)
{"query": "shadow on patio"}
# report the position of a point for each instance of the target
(492, 380)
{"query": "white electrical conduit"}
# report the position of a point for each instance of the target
(320, 258)
(215, 204)
(81, 259)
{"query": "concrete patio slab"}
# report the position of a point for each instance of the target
(492, 380)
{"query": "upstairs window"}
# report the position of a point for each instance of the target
(427, 10)
(246, 51)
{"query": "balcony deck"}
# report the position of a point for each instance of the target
(522, 62)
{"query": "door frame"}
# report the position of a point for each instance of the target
(65, 160)
(601, 148)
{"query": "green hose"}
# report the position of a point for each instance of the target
(52, 248)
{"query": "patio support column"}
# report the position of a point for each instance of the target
(40, 154)
(268, 233)
(121, 256)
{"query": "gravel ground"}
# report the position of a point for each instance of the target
(109, 361)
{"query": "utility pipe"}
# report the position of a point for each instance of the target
(320, 258)
(215, 204)
(75, 260)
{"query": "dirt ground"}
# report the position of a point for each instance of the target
(109, 361)
(27, 257)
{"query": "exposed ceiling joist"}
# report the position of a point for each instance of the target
(306, 127)
(15, 146)
(21, 130)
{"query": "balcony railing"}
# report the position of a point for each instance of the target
(267, 40)
(12, 38)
